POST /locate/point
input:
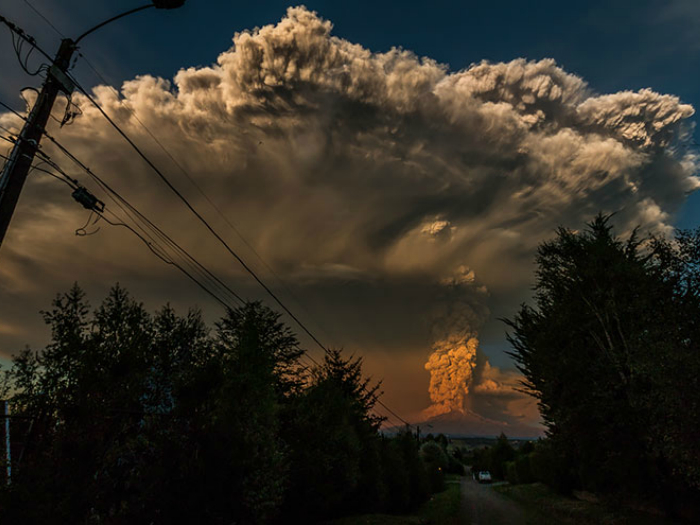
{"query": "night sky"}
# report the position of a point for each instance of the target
(395, 182)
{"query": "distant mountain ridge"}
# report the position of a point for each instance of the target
(467, 424)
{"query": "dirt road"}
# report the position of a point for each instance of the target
(481, 505)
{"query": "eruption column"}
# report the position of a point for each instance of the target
(451, 366)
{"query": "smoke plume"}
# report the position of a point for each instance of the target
(450, 366)
(456, 318)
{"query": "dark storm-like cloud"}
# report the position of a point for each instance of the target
(375, 172)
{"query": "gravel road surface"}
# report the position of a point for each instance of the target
(481, 505)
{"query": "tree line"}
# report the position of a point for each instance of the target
(131, 417)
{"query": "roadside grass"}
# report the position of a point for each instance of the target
(441, 509)
(545, 507)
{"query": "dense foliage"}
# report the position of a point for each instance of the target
(127, 417)
(610, 350)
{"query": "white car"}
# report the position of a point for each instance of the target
(484, 476)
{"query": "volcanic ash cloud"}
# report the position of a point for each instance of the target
(375, 167)
(326, 154)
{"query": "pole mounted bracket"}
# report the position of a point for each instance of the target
(88, 200)
(66, 84)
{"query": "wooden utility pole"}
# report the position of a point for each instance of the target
(17, 167)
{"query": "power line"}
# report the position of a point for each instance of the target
(32, 41)
(28, 38)
(198, 215)
(165, 260)
(44, 18)
(52, 174)
(131, 211)
(24, 36)
(9, 108)
(150, 244)
(154, 247)
(7, 130)
(191, 179)
(384, 417)
(186, 202)
(147, 238)
(200, 190)
(211, 229)
(18, 45)
(120, 222)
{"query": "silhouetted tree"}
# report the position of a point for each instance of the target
(435, 460)
(611, 353)
(332, 435)
(242, 470)
(144, 418)
(501, 452)
(396, 477)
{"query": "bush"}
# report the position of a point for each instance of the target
(435, 461)
(523, 470)
(454, 466)
(481, 459)
(549, 466)
(511, 472)
(397, 483)
(499, 454)
(419, 485)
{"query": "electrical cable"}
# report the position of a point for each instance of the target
(132, 211)
(210, 228)
(152, 244)
(47, 160)
(201, 191)
(82, 231)
(72, 183)
(199, 188)
(18, 45)
(24, 36)
(189, 259)
(161, 256)
(87, 170)
(383, 417)
(7, 130)
(165, 260)
(44, 18)
(120, 222)
(198, 215)
(12, 110)
(52, 174)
